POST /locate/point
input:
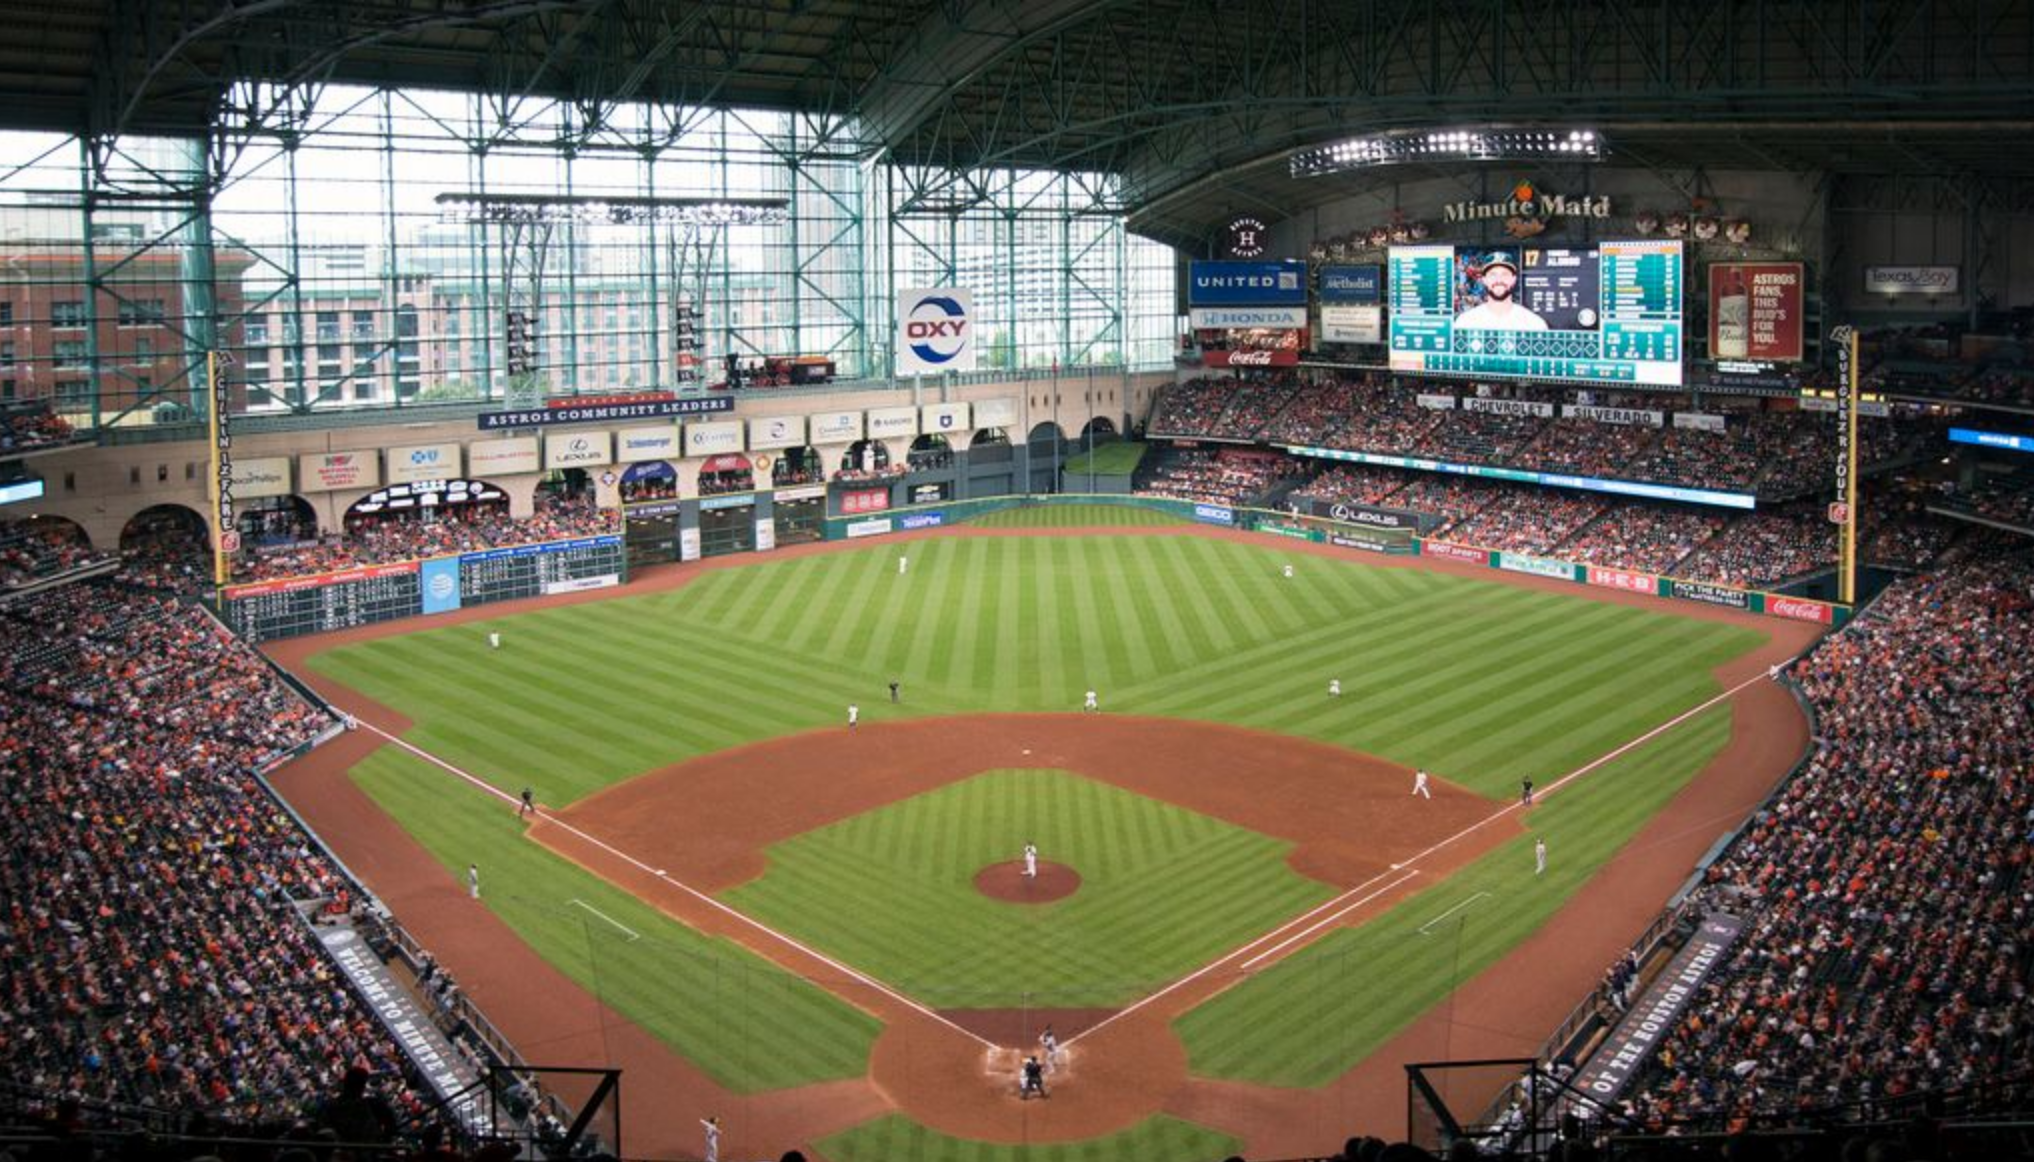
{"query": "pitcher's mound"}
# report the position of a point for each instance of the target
(1007, 881)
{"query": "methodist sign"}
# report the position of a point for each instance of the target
(935, 330)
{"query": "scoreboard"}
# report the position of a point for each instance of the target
(1608, 314)
(321, 602)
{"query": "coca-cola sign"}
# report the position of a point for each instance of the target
(1798, 609)
(1254, 358)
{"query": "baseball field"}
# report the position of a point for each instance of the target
(822, 932)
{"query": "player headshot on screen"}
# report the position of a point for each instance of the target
(1499, 311)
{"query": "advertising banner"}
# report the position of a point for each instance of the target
(864, 500)
(1537, 566)
(996, 413)
(1349, 512)
(1623, 579)
(321, 580)
(944, 418)
(338, 471)
(441, 1066)
(935, 330)
(1658, 1010)
(1755, 311)
(1983, 439)
(1508, 407)
(1934, 281)
(1246, 284)
(486, 458)
(713, 439)
(1453, 552)
(1630, 417)
(1700, 421)
(1800, 610)
(1352, 284)
(803, 492)
(1352, 324)
(688, 544)
(1214, 514)
(423, 462)
(1283, 357)
(888, 422)
(1708, 594)
(1434, 402)
(921, 520)
(930, 493)
(268, 476)
(766, 534)
(1279, 528)
(1355, 542)
(635, 445)
(581, 584)
(597, 413)
(835, 427)
(869, 528)
(736, 500)
(439, 579)
(1245, 318)
(767, 432)
(578, 450)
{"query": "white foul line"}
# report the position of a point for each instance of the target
(1556, 785)
(695, 893)
(1451, 911)
(633, 934)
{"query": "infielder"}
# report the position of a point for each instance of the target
(1420, 784)
(854, 715)
(473, 880)
(1335, 687)
(712, 1127)
(1539, 857)
(1525, 791)
(1031, 861)
(1091, 705)
(529, 803)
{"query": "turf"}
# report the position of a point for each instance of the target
(1308, 1019)
(708, 999)
(1118, 459)
(1163, 891)
(1043, 516)
(1158, 1139)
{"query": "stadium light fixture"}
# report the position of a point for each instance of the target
(464, 208)
(1397, 148)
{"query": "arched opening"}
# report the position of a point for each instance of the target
(796, 466)
(721, 475)
(40, 547)
(273, 522)
(648, 481)
(167, 546)
(929, 453)
(412, 513)
(565, 486)
(1044, 447)
(992, 463)
(867, 460)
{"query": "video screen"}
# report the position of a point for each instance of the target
(1607, 314)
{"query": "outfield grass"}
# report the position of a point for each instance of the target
(1158, 1139)
(1479, 682)
(1312, 1017)
(1070, 516)
(1118, 459)
(707, 998)
(1163, 891)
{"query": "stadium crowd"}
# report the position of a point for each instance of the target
(1230, 476)
(1652, 538)
(40, 548)
(1766, 547)
(1887, 887)
(1525, 521)
(462, 528)
(150, 951)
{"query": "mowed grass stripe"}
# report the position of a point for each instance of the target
(1076, 516)
(1367, 983)
(896, 1138)
(736, 1009)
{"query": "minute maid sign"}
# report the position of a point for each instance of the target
(935, 330)
(1527, 203)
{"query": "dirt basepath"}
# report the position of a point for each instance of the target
(1350, 816)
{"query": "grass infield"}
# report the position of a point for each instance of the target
(1480, 682)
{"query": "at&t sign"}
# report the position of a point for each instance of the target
(935, 331)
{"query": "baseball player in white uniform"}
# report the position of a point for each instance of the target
(494, 641)
(1335, 687)
(903, 563)
(712, 1128)
(473, 880)
(1031, 860)
(1288, 571)
(1420, 784)
(1539, 857)
(1091, 705)
(854, 715)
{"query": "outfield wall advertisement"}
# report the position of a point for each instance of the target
(1744, 500)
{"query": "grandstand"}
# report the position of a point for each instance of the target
(1384, 581)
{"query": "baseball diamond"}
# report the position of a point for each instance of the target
(1251, 872)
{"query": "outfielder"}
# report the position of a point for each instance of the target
(854, 715)
(1539, 857)
(1420, 784)
(1091, 705)
(1335, 687)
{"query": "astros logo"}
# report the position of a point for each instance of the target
(937, 328)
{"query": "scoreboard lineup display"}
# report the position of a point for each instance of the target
(321, 602)
(1608, 314)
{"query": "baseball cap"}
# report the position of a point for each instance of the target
(1500, 258)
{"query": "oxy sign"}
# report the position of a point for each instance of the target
(935, 330)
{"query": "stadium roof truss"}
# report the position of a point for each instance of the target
(1191, 107)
